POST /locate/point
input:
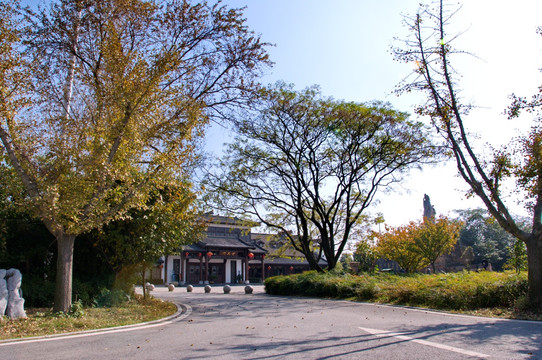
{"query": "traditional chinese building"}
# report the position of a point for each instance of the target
(231, 253)
(226, 255)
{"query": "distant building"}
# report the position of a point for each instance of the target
(282, 258)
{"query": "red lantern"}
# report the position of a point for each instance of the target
(250, 255)
(263, 257)
(269, 267)
(291, 268)
(199, 254)
(186, 254)
(209, 254)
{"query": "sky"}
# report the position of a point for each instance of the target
(344, 47)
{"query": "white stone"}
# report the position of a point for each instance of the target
(3, 293)
(15, 308)
(171, 287)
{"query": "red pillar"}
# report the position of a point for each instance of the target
(206, 269)
(246, 267)
(200, 268)
(263, 268)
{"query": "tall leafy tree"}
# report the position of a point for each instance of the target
(309, 167)
(486, 237)
(102, 101)
(132, 246)
(430, 48)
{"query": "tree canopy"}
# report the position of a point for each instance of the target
(102, 102)
(308, 167)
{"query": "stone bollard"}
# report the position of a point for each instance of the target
(171, 287)
(248, 289)
(227, 289)
(207, 289)
(189, 288)
(149, 287)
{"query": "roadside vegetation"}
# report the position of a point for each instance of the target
(482, 293)
(42, 321)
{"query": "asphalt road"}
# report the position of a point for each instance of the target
(259, 326)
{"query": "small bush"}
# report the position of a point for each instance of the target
(37, 292)
(110, 298)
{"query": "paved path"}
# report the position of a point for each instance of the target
(258, 326)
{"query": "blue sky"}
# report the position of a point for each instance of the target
(343, 46)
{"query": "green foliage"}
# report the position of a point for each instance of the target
(110, 298)
(486, 237)
(365, 254)
(418, 244)
(37, 292)
(308, 166)
(77, 309)
(464, 291)
(518, 257)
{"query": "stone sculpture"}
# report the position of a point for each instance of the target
(428, 209)
(3, 293)
(11, 296)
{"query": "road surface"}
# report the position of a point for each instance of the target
(259, 326)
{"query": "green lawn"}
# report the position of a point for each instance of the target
(44, 322)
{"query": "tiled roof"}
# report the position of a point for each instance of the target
(225, 242)
(289, 261)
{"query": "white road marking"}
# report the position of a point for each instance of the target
(89, 333)
(383, 333)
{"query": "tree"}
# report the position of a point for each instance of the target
(418, 244)
(398, 244)
(102, 102)
(436, 237)
(430, 48)
(518, 257)
(309, 166)
(365, 254)
(131, 246)
(486, 237)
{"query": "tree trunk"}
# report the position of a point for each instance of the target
(313, 263)
(64, 273)
(534, 262)
(143, 283)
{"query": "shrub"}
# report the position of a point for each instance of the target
(110, 298)
(459, 291)
(37, 292)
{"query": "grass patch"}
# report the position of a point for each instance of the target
(44, 322)
(484, 293)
